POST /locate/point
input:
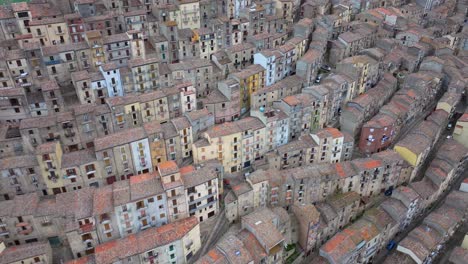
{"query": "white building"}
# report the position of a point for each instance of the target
(268, 59)
(141, 156)
(113, 81)
(188, 97)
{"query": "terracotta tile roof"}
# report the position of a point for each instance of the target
(338, 247)
(102, 201)
(46, 148)
(168, 167)
(15, 254)
(463, 118)
(452, 152)
(407, 192)
(329, 132)
(327, 213)
(46, 207)
(340, 201)
(425, 188)
(21, 6)
(198, 114)
(345, 169)
(224, 129)
(234, 250)
(248, 71)
(42, 10)
(119, 138)
(25, 161)
(9, 92)
(47, 21)
(110, 252)
(457, 199)
(459, 255)
(116, 38)
(78, 203)
(362, 230)
(420, 241)
(214, 256)
(78, 158)
(252, 245)
(194, 177)
(306, 213)
(367, 164)
(180, 123)
(121, 192)
(241, 188)
(379, 218)
(144, 186)
(83, 260)
(6, 12)
(444, 219)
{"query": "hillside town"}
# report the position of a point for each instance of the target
(233, 131)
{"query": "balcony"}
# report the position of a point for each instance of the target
(89, 244)
(52, 178)
(86, 228)
(189, 244)
(105, 219)
(69, 134)
(4, 233)
(119, 47)
(26, 232)
(53, 62)
(151, 259)
(128, 214)
(202, 198)
(203, 206)
(143, 216)
(22, 224)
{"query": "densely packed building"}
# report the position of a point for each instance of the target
(142, 131)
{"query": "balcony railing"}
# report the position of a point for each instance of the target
(53, 62)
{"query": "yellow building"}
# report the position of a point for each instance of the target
(95, 42)
(49, 157)
(465, 242)
(235, 144)
(250, 80)
(50, 31)
(155, 132)
(413, 148)
(448, 102)
(222, 143)
(460, 134)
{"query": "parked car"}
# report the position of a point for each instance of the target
(325, 67)
(319, 78)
